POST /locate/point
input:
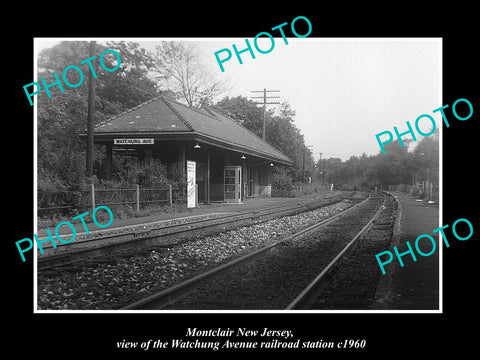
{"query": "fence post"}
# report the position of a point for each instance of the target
(92, 197)
(170, 194)
(137, 198)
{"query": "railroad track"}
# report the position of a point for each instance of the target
(309, 297)
(109, 241)
(277, 276)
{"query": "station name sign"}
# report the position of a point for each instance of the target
(133, 141)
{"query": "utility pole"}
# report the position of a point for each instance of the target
(303, 161)
(90, 115)
(265, 103)
(322, 169)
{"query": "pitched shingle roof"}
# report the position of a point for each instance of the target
(166, 116)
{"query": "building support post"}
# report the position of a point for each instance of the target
(207, 179)
(108, 162)
(181, 159)
(92, 197)
(183, 166)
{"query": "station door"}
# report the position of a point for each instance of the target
(233, 183)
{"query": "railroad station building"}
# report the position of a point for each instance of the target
(230, 162)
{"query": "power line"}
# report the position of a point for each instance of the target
(265, 103)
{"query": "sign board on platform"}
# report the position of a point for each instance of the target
(191, 177)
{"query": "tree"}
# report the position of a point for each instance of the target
(282, 134)
(426, 160)
(181, 71)
(62, 117)
(116, 91)
(244, 111)
(391, 168)
(281, 131)
(129, 86)
(329, 170)
(397, 166)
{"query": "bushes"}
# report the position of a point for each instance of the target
(74, 198)
(282, 185)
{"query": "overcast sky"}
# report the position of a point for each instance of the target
(344, 91)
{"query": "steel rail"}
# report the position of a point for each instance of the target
(229, 215)
(171, 294)
(310, 289)
(107, 244)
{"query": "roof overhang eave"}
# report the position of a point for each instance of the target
(101, 137)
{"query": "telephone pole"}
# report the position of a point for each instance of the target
(322, 171)
(265, 103)
(90, 115)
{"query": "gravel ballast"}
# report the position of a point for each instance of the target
(115, 280)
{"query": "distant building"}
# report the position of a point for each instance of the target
(232, 163)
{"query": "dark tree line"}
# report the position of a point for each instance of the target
(61, 153)
(397, 166)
